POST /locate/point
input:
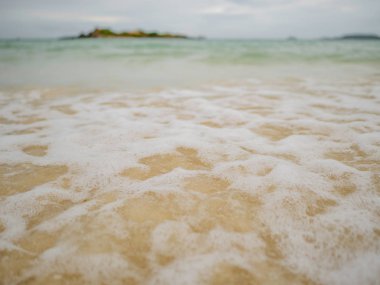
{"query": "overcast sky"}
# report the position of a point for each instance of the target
(210, 18)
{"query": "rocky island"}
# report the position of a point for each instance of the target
(107, 33)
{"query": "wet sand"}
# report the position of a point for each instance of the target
(261, 182)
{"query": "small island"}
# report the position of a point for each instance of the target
(107, 33)
(360, 37)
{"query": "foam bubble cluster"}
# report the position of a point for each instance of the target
(260, 182)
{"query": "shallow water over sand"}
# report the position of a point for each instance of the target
(257, 182)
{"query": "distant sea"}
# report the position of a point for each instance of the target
(144, 63)
(151, 161)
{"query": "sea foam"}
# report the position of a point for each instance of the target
(252, 182)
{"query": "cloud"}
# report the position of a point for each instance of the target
(211, 18)
(227, 9)
(73, 16)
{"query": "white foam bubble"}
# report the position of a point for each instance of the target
(307, 152)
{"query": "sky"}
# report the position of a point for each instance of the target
(209, 18)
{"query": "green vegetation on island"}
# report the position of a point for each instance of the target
(107, 33)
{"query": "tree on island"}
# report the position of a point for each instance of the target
(107, 33)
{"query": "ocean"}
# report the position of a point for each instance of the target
(152, 161)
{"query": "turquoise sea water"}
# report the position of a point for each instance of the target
(128, 63)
